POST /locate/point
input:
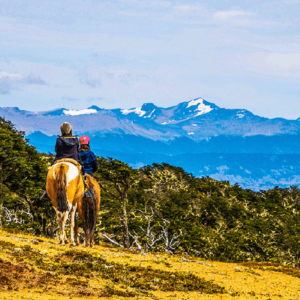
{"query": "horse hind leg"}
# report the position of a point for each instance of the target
(59, 216)
(65, 217)
(61, 220)
(91, 242)
(72, 224)
(86, 238)
(76, 231)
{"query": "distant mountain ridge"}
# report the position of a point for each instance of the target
(188, 135)
(196, 119)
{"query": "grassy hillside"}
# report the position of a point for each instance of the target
(39, 268)
(199, 216)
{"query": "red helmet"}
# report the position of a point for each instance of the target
(84, 140)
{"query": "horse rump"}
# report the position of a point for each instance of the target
(90, 214)
(61, 189)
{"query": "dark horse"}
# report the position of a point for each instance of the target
(88, 211)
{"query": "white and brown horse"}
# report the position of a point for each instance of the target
(65, 188)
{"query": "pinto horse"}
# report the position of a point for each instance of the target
(65, 188)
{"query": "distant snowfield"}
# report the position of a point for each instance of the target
(195, 102)
(137, 110)
(87, 111)
(202, 108)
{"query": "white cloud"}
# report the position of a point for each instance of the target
(9, 81)
(94, 76)
(276, 64)
(292, 1)
(189, 9)
(230, 14)
(146, 3)
(8, 76)
(284, 61)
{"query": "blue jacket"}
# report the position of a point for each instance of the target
(89, 162)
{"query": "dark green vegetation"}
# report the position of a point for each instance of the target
(150, 206)
(22, 179)
(84, 265)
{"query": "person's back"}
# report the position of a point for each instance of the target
(88, 158)
(67, 145)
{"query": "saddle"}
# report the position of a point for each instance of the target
(79, 166)
(69, 160)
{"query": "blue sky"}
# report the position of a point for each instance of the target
(123, 53)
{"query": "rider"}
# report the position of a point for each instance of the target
(88, 158)
(67, 146)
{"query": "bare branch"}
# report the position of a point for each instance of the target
(169, 245)
(153, 240)
(11, 215)
(110, 239)
(139, 247)
(150, 236)
(175, 237)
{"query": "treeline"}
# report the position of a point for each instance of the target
(158, 208)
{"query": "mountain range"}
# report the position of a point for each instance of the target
(199, 136)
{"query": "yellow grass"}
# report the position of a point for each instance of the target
(240, 282)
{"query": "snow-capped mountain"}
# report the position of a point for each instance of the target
(204, 139)
(196, 119)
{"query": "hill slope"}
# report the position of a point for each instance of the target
(39, 268)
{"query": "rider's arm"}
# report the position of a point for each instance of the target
(58, 144)
(94, 162)
(79, 157)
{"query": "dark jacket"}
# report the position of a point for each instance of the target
(89, 162)
(67, 147)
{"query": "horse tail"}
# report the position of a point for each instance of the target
(90, 214)
(61, 189)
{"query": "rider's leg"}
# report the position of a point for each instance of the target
(87, 193)
(45, 195)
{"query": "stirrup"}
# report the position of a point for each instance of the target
(45, 196)
(87, 194)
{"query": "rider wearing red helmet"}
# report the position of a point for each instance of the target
(88, 158)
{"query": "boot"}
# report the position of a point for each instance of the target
(87, 194)
(45, 196)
